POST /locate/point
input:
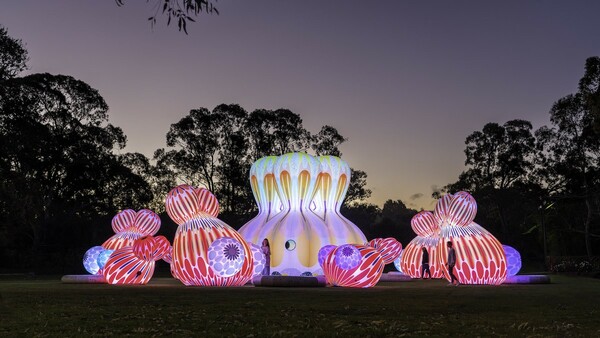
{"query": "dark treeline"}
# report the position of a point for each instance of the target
(63, 174)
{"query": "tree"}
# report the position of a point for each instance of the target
(13, 56)
(327, 141)
(570, 154)
(180, 10)
(357, 191)
(57, 169)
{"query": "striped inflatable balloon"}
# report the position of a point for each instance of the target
(123, 220)
(389, 248)
(480, 258)
(442, 207)
(366, 274)
(192, 264)
(424, 224)
(185, 202)
(132, 225)
(412, 257)
(124, 267)
(462, 210)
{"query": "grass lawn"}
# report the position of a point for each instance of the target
(46, 307)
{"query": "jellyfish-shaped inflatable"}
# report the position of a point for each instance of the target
(206, 251)
(310, 191)
(135, 264)
(355, 266)
(426, 226)
(129, 225)
(480, 256)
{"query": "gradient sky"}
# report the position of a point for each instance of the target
(405, 81)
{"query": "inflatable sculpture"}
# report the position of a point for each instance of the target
(351, 265)
(427, 229)
(513, 260)
(135, 264)
(129, 225)
(206, 251)
(299, 198)
(480, 256)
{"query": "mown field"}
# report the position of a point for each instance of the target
(46, 307)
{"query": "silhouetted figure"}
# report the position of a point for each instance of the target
(452, 263)
(425, 263)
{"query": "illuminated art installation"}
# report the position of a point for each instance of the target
(389, 248)
(259, 260)
(480, 257)
(206, 251)
(135, 264)
(398, 263)
(352, 265)
(513, 260)
(299, 199)
(427, 229)
(90, 259)
(129, 225)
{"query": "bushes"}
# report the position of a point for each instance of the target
(577, 264)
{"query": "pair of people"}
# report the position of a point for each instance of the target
(451, 262)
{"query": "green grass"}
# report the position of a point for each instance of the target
(567, 307)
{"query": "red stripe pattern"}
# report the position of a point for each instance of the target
(442, 208)
(205, 249)
(130, 225)
(389, 248)
(135, 264)
(365, 275)
(424, 223)
(480, 258)
(463, 209)
(412, 257)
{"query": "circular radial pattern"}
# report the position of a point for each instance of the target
(347, 257)
(324, 252)
(226, 256)
(90, 259)
(103, 257)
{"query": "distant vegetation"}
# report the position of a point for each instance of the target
(62, 176)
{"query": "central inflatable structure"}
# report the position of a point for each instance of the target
(299, 199)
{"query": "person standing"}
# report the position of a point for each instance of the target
(452, 263)
(266, 250)
(425, 263)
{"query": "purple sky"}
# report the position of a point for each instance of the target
(405, 81)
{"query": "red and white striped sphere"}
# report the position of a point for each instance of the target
(124, 267)
(130, 225)
(229, 262)
(412, 256)
(185, 202)
(442, 207)
(463, 209)
(424, 224)
(389, 248)
(135, 264)
(365, 275)
(480, 258)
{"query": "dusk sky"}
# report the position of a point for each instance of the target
(404, 81)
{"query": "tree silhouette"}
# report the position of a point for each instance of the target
(181, 11)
